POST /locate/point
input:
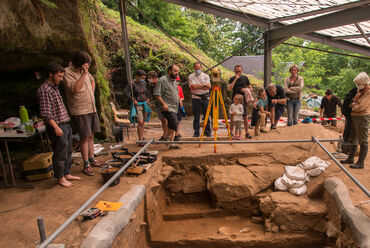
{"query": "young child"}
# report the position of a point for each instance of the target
(236, 111)
(261, 106)
(180, 110)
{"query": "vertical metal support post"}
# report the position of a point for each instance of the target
(267, 62)
(125, 39)
(40, 223)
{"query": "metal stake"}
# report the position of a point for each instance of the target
(40, 223)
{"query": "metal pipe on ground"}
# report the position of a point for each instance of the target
(237, 142)
(362, 187)
(87, 203)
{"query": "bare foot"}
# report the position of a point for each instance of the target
(63, 181)
(70, 177)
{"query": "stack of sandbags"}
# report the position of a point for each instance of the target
(314, 166)
(295, 177)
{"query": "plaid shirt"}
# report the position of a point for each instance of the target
(51, 103)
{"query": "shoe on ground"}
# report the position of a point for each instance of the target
(174, 147)
(233, 137)
(88, 170)
(248, 136)
(238, 138)
(263, 131)
(255, 134)
(272, 127)
(357, 166)
(196, 135)
(162, 139)
(208, 135)
(177, 138)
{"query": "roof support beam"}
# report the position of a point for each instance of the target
(340, 18)
(264, 23)
(222, 12)
(321, 11)
(354, 36)
(362, 32)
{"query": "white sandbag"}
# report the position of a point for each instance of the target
(291, 183)
(279, 185)
(295, 172)
(298, 191)
(315, 171)
(313, 162)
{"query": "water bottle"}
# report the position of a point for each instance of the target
(23, 114)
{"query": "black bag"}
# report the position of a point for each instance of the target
(255, 117)
(118, 132)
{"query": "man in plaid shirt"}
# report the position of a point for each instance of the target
(55, 115)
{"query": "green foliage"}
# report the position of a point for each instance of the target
(320, 70)
(49, 3)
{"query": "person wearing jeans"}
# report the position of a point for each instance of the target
(199, 84)
(293, 87)
(56, 118)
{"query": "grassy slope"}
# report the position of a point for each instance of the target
(164, 50)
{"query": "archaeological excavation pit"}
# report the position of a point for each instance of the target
(229, 201)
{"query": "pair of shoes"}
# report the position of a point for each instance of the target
(233, 137)
(88, 170)
(263, 131)
(196, 135)
(248, 136)
(238, 138)
(174, 147)
(177, 137)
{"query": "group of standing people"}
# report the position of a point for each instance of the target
(168, 99)
(79, 87)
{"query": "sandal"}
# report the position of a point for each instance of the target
(97, 163)
(88, 170)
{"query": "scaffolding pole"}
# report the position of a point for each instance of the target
(237, 142)
(362, 187)
(125, 43)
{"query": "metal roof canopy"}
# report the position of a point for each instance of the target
(342, 24)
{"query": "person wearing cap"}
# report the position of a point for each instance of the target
(328, 107)
(360, 119)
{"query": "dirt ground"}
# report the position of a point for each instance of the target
(20, 208)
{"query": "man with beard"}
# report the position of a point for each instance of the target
(166, 93)
(56, 118)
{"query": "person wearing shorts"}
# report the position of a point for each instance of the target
(79, 87)
(140, 99)
(276, 102)
(166, 93)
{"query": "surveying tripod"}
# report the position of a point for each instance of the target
(215, 100)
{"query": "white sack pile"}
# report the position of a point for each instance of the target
(295, 177)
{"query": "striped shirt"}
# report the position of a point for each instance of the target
(51, 103)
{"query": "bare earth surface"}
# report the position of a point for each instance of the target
(56, 204)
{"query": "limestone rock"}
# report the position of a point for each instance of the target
(231, 183)
(190, 182)
(297, 214)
